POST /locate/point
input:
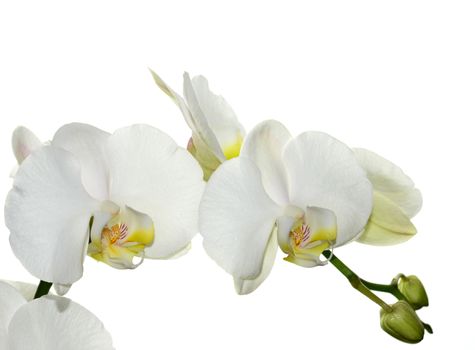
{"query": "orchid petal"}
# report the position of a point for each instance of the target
(28, 290)
(62, 289)
(150, 173)
(179, 101)
(389, 180)
(247, 286)
(237, 218)
(388, 224)
(202, 126)
(51, 323)
(87, 143)
(323, 172)
(264, 146)
(284, 226)
(219, 115)
(10, 301)
(204, 155)
(48, 212)
(23, 143)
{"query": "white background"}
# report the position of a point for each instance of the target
(397, 77)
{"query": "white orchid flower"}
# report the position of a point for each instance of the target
(304, 194)
(395, 201)
(217, 134)
(119, 197)
(48, 323)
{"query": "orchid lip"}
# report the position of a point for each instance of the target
(306, 234)
(117, 239)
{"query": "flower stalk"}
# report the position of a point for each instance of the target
(400, 319)
(43, 289)
(355, 280)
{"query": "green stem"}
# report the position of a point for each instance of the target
(354, 280)
(386, 288)
(43, 289)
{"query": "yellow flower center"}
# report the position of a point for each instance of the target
(300, 235)
(123, 238)
(312, 232)
(114, 233)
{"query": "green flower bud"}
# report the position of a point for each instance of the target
(413, 290)
(402, 323)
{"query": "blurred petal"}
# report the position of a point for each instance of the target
(323, 172)
(388, 179)
(387, 225)
(87, 143)
(51, 323)
(237, 218)
(219, 115)
(150, 173)
(48, 212)
(10, 301)
(264, 145)
(244, 286)
(23, 143)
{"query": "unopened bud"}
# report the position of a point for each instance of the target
(402, 322)
(413, 290)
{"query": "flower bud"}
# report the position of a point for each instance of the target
(402, 323)
(413, 290)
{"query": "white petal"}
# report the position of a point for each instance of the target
(180, 102)
(320, 219)
(48, 212)
(201, 123)
(376, 235)
(23, 143)
(62, 289)
(264, 145)
(204, 155)
(388, 179)
(28, 290)
(388, 224)
(387, 214)
(10, 301)
(51, 323)
(284, 226)
(244, 286)
(87, 143)
(219, 115)
(151, 174)
(237, 218)
(323, 172)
